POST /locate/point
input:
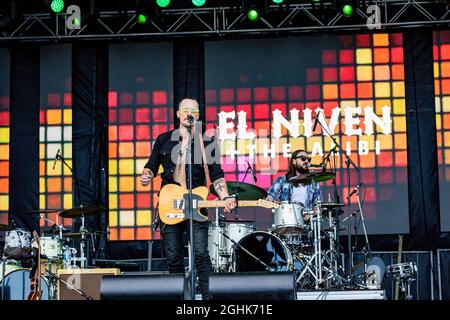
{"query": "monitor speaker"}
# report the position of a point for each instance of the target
(252, 286)
(145, 286)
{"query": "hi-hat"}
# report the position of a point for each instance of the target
(6, 227)
(317, 176)
(244, 191)
(238, 220)
(85, 211)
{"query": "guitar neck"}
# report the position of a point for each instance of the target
(221, 203)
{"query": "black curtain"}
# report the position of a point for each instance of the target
(421, 134)
(189, 74)
(24, 139)
(90, 139)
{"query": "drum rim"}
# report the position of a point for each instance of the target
(25, 269)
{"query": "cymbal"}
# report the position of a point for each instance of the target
(331, 205)
(332, 229)
(317, 176)
(77, 212)
(43, 211)
(243, 190)
(238, 220)
(6, 227)
(72, 234)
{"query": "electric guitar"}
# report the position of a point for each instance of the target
(173, 204)
(35, 292)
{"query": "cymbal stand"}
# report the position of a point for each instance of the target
(83, 231)
(4, 258)
(314, 264)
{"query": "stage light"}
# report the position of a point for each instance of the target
(163, 3)
(198, 3)
(278, 1)
(347, 10)
(57, 5)
(141, 18)
(254, 9)
(253, 14)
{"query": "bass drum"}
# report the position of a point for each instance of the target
(268, 248)
(18, 283)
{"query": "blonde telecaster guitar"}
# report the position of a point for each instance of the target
(173, 201)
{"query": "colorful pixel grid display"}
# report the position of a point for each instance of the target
(441, 53)
(4, 136)
(343, 72)
(55, 133)
(140, 106)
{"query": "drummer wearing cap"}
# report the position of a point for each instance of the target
(294, 186)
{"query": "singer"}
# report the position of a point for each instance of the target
(294, 187)
(171, 152)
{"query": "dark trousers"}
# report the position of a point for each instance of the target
(173, 241)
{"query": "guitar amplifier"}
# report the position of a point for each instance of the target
(73, 283)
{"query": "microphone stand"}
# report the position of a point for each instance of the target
(82, 228)
(348, 162)
(191, 214)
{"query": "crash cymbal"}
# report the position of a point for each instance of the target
(317, 176)
(243, 190)
(77, 212)
(5, 227)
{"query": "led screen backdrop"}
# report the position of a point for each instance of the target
(4, 134)
(140, 108)
(55, 116)
(275, 87)
(442, 91)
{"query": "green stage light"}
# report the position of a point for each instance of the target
(253, 14)
(163, 3)
(57, 5)
(347, 10)
(141, 18)
(277, 1)
(198, 3)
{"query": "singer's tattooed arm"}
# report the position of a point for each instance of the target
(221, 188)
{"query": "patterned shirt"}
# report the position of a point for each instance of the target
(281, 190)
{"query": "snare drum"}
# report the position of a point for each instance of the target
(402, 270)
(51, 248)
(288, 219)
(17, 243)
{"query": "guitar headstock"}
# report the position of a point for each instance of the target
(268, 204)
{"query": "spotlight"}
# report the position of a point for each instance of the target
(57, 5)
(278, 1)
(163, 3)
(146, 11)
(198, 3)
(347, 10)
(141, 18)
(254, 9)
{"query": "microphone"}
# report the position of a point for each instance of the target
(190, 118)
(315, 122)
(56, 159)
(354, 190)
(252, 171)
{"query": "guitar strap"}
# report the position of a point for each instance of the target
(205, 163)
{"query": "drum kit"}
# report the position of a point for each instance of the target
(57, 252)
(299, 240)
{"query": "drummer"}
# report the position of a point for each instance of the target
(294, 186)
